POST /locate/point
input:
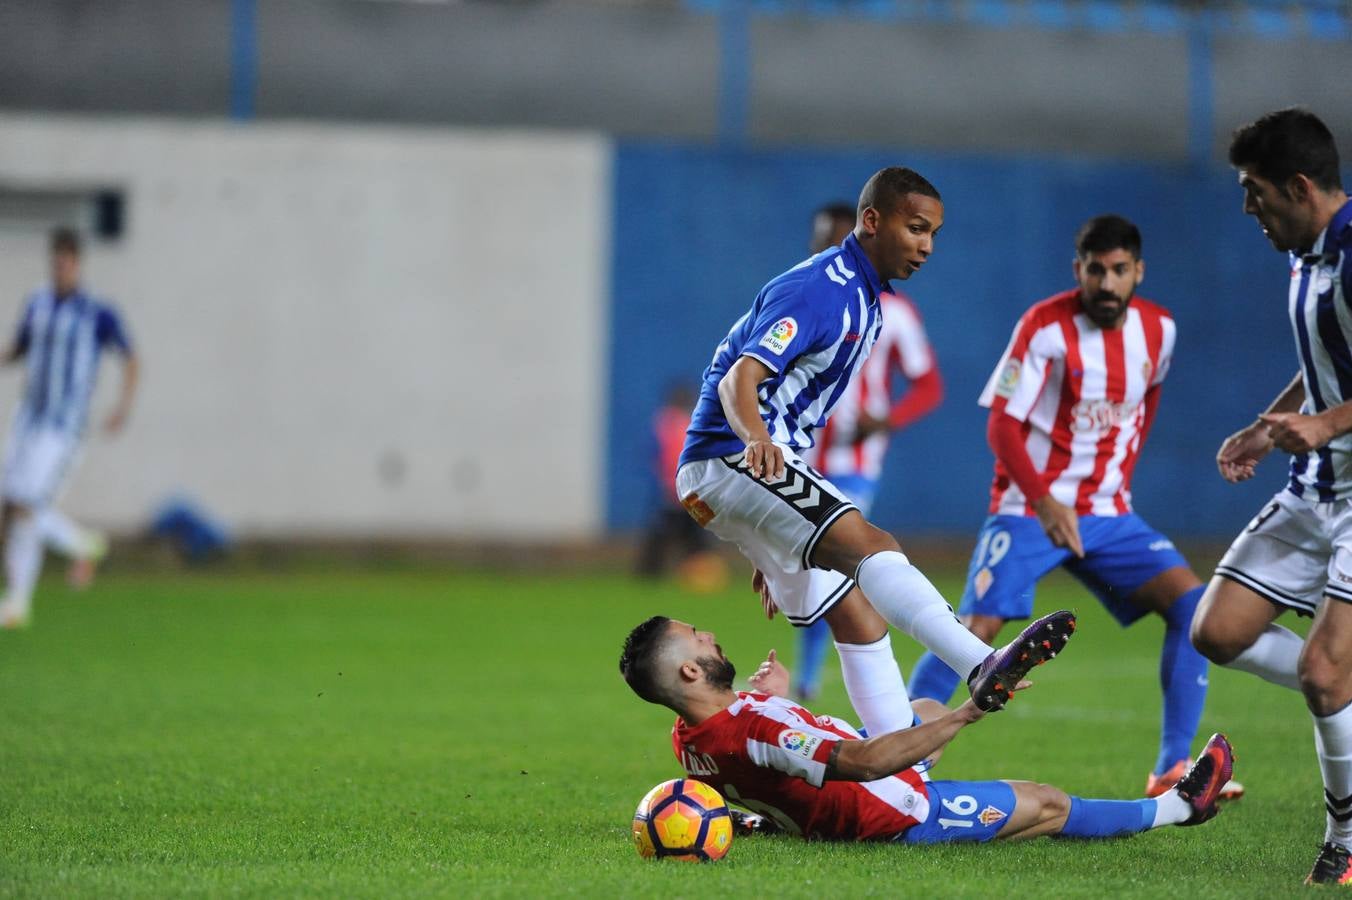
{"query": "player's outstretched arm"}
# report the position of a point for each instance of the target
(739, 394)
(887, 754)
(1241, 452)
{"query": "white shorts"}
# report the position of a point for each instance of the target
(776, 524)
(37, 462)
(1295, 552)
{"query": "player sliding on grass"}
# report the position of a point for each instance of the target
(774, 380)
(814, 776)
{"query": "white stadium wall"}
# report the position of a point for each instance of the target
(345, 331)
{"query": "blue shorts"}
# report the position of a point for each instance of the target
(1121, 553)
(963, 811)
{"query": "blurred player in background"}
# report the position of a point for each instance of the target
(852, 444)
(1296, 554)
(813, 776)
(61, 335)
(1071, 403)
(772, 383)
(671, 534)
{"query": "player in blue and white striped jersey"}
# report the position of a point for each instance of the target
(773, 381)
(61, 336)
(1296, 554)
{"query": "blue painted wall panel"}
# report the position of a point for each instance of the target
(698, 230)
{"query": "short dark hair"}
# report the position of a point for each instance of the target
(65, 240)
(837, 210)
(885, 189)
(637, 660)
(1103, 233)
(1286, 143)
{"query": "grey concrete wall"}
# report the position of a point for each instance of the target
(653, 70)
(344, 330)
(944, 86)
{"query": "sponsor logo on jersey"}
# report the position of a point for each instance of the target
(1100, 416)
(1009, 379)
(780, 335)
(1164, 544)
(990, 815)
(700, 511)
(798, 743)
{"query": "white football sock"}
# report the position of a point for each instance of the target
(1171, 810)
(62, 534)
(1273, 657)
(23, 562)
(906, 599)
(874, 684)
(1333, 741)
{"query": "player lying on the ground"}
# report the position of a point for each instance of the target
(814, 776)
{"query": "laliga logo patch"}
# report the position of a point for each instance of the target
(780, 335)
(990, 815)
(983, 581)
(799, 743)
(1009, 379)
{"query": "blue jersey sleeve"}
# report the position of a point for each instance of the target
(108, 331)
(786, 324)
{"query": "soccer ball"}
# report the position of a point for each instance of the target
(683, 819)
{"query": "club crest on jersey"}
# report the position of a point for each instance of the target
(1009, 379)
(990, 815)
(798, 743)
(780, 335)
(1145, 371)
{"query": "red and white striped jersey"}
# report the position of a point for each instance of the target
(769, 755)
(1079, 390)
(902, 346)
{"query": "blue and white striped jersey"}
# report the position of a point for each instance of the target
(813, 326)
(1321, 289)
(61, 341)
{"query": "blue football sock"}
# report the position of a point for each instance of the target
(812, 643)
(1183, 679)
(933, 678)
(1108, 818)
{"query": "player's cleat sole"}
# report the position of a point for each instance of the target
(1333, 865)
(1202, 784)
(1157, 785)
(745, 824)
(993, 683)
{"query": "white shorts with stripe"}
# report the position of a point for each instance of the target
(37, 461)
(1294, 552)
(775, 524)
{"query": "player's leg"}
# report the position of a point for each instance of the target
(35, 468)
(1012, 553)
(23, 563)
(986, 810)
(1325, 670)
(84, 547)
(813, 640)
(1278, 562)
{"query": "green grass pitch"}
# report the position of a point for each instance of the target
(428, 732)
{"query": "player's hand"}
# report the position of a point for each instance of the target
(765, 460)
(868, 426)
(1060, 523)
(771, 677)
(1296, 433)
(1241, 452)
(767, 602)
(116, 419)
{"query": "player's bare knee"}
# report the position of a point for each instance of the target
(1324, 682)
(1055, 803)
(1214, 643)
